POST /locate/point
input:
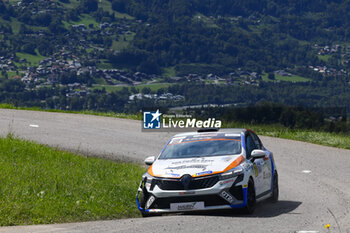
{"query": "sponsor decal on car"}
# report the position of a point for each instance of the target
(187, 193)
(203, 173)
(150, 201)
(187, 206)
(226, 159)
(228, 197)
(226, 181)
(172, 174)
(256, 170)
(199, 166)
(195, 160)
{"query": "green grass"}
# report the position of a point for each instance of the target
(293, 78)
(83, 19)
(72, 4)
(10, 74)
(107, 6)
(87, 20)
(153, 86)
(105, 65)
(15, 25)
(324, 58)
(41, 185)
(169, 71)
(338, 140)
(32, 59)
(123, 41)
(86, 112)
(104, 4)
(100, 81)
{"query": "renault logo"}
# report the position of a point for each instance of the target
(186, 181)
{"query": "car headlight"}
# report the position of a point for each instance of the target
(232, 173)
(147, 178)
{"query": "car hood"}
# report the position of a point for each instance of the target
(176, 168)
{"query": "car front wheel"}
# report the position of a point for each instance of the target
(251, 199)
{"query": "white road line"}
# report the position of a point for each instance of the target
(306, 171)
(34, 126)
(306, 231)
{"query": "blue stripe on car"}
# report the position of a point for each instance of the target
(245, 199)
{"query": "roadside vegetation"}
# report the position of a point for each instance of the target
(41, 185)
(339, 140)
(105, 114)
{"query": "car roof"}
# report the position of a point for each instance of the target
(225, 130)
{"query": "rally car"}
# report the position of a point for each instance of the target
(210, 169)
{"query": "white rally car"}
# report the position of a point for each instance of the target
(208, 170)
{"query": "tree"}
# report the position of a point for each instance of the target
(271, 76)
(118, 5)
(146, 90)
(149, 67)
(89, 5)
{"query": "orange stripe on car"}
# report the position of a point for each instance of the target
(150, 171)
(235, 163)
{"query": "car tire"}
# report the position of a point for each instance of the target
(251, 199)
(143, 199)
(275, 189)
(145, 214)
(143, 204)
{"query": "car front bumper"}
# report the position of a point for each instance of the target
(225, 194)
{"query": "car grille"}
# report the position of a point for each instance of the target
(176, 184)
(209, 200)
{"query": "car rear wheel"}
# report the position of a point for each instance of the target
(275, 189)
(251, 199)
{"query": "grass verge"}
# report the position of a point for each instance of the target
(41, 185)
(338, 140)
(85, 112)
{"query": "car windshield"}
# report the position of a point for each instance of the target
(203, 146)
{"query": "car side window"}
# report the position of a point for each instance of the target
(250, 144)
(257, 141)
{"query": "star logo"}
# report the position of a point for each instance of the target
(156, 115)
(151, 120)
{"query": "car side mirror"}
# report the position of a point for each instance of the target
(150, 160)
(258, 154)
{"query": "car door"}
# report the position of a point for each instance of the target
(257, 164)
(265, 165)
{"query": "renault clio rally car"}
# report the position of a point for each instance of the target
(210, 169)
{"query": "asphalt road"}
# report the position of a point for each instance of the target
(314, 180)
